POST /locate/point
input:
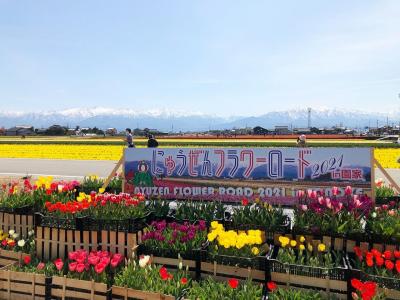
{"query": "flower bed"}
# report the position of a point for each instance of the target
(173, 243)
(260, 216)
(142, 280)
(320, 215)
(192, 211)
(120, 212)
(380, 267)
(308, 266)
(383, 224)
(234, 253)
(228, 289)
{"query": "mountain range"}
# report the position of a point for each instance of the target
(168, 120)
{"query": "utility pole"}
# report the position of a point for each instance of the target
(309, 117)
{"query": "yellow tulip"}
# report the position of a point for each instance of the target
(255, 250)
(301, 247)
(302, 239)
(211, 236)
(321, 247)
(284, 241)
(293, 243)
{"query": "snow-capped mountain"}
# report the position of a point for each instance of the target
(166, 120)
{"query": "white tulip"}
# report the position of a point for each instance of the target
(11, 232)
(21, 243)
(144, 261)
(15, 236)
(31, 232)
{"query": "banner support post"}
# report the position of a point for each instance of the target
(387, 175)
(111, 175)
(373, 192)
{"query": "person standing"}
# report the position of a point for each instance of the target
(302, 141)
(129, 138)
(152, 142)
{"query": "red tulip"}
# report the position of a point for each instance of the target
(245, 202)
(357, 284)
(379, 261)
(396, 254)
(271, 286)
(370, 262)
(398, 266)
(27, 260)
(389, 265)
(164, 273)
(184, 281)
(387, 254)
(233, 283)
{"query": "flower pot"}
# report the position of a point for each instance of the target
(24, 210)
(55, 222)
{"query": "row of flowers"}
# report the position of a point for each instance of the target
(349, 215)
(143, 275)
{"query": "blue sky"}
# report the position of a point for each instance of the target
(216, 57)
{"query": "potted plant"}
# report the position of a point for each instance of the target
(235, 248)
(259, 215)
(374, 265)
(143, 280)
(383, 224)
(173, 239)
(229, 289)
(310, 262)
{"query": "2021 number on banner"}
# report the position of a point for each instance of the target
(231, 173)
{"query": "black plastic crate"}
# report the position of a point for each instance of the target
(383, 282)
(335, 273)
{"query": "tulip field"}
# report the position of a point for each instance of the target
(111, 148)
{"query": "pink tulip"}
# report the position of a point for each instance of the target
(40, 266)
(385, 207)
(348, 190)
(80, 268)
(335, 190)
(304, 207)
(392, 212)
(72, 255)
(328, 203)
(59, 264)
(115, 262)
(300, 193)
(105, 261)
(72, 266)
(99, 268)
(93, 260)
(309, 193)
